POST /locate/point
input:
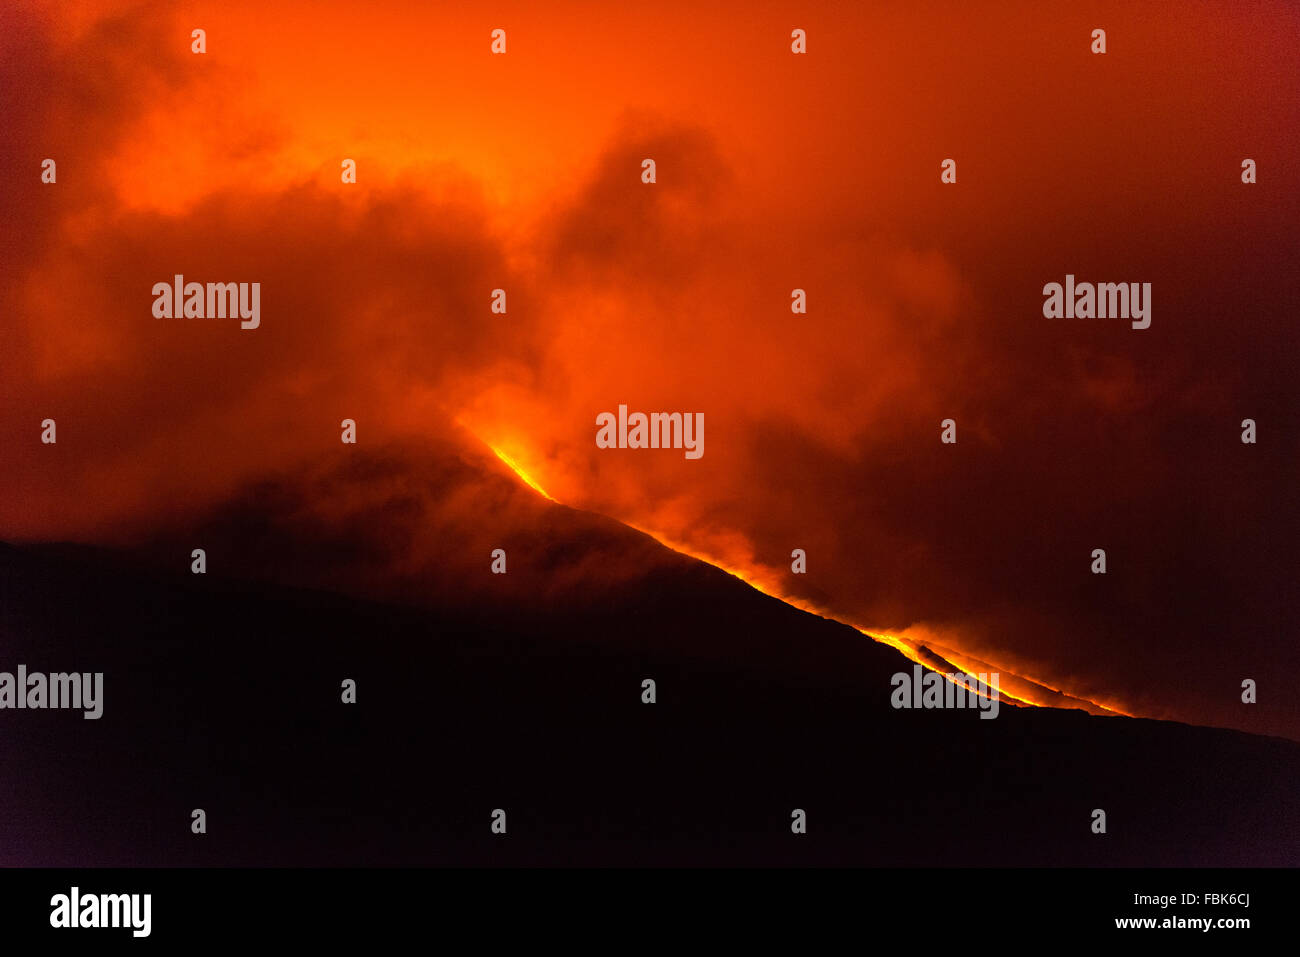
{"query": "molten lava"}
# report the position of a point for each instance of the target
(1016, 689)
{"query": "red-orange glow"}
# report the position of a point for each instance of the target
(946, 664)
(775, 172)
(519, 470)
(949, 664)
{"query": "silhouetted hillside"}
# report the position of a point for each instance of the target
(226, 696)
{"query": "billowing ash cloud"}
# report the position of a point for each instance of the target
(924, 303)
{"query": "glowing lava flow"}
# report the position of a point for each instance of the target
(1016, 689)
(518, 470)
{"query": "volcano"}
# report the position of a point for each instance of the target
(523, 694)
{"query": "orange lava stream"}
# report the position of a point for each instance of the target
(1026, 693)
(518, 470)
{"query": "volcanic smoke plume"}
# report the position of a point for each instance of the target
(773, 173)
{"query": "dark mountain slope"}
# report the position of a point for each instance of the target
(523, 692)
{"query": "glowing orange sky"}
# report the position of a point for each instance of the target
(775, 172)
